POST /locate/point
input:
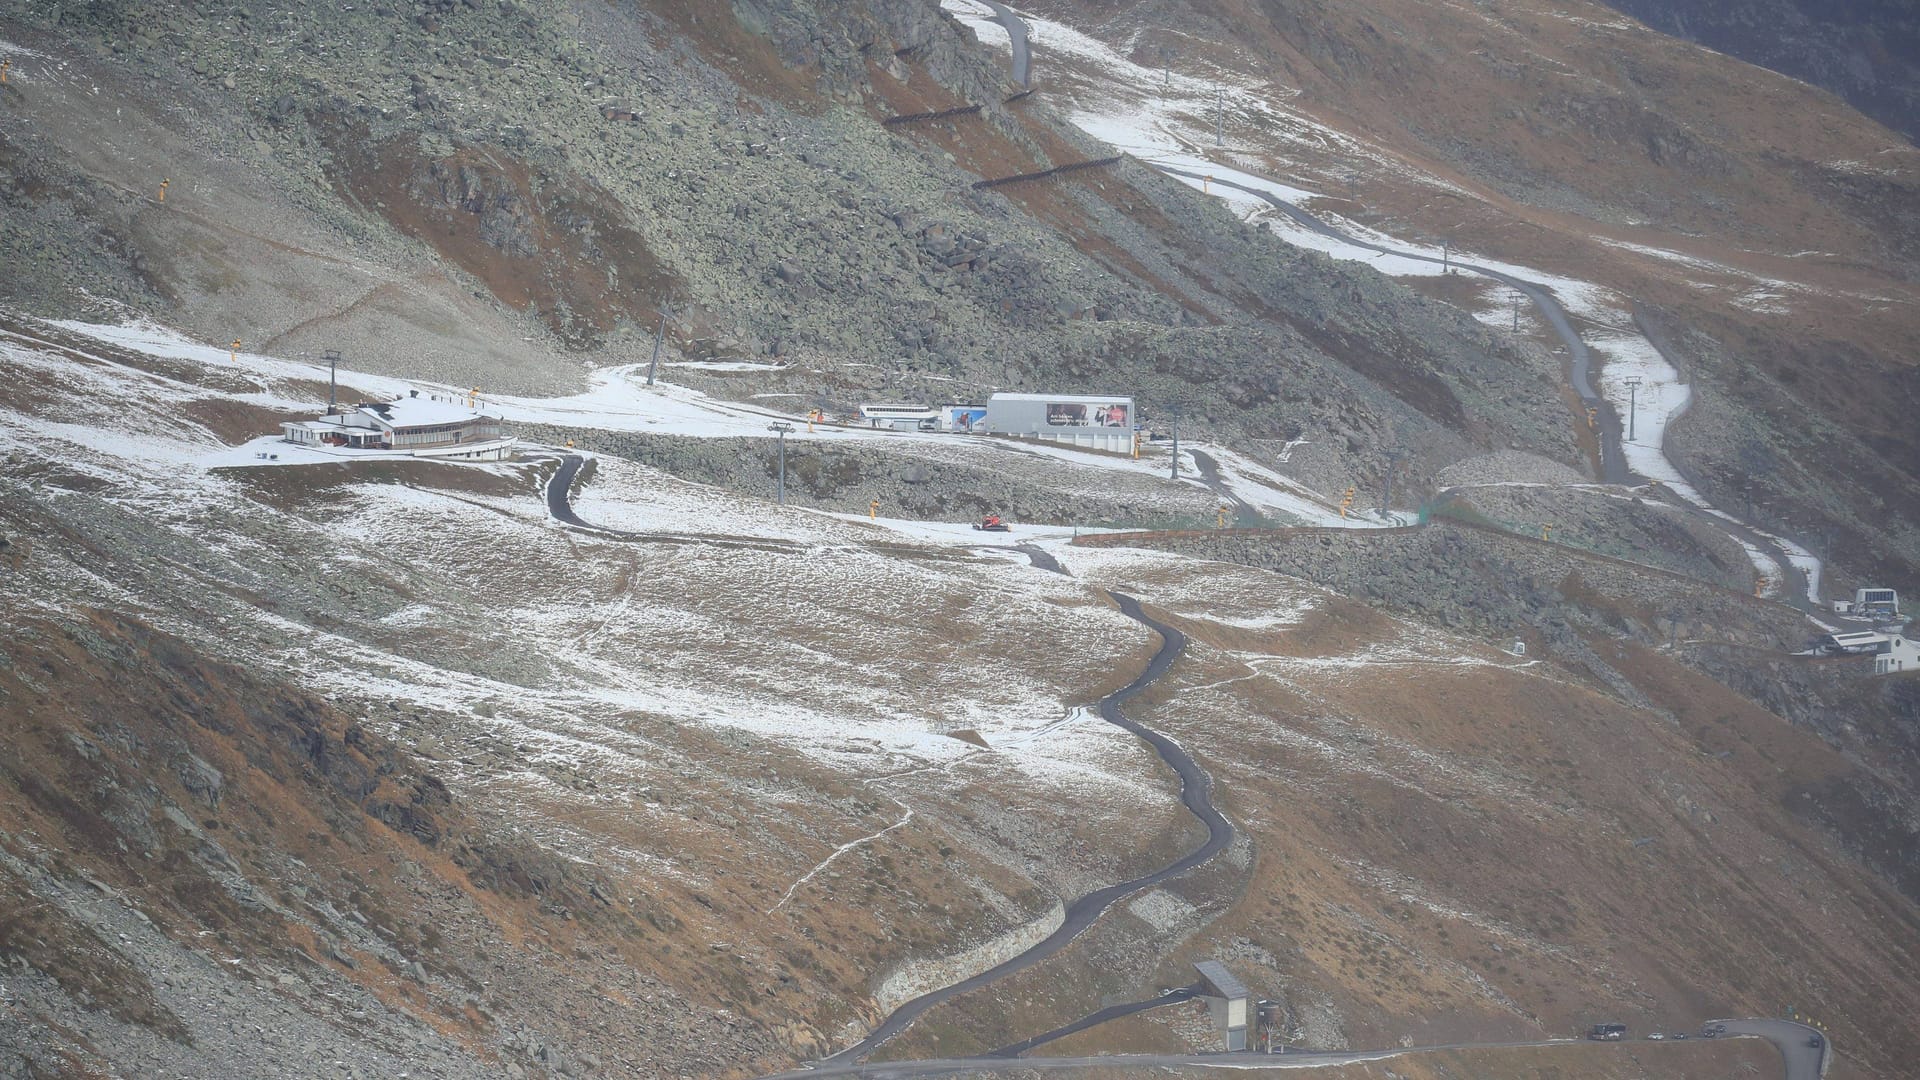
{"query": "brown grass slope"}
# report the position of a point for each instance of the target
(243, 818)
(1446, 851)
(1548, 134)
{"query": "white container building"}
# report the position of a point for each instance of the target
(1096, 422)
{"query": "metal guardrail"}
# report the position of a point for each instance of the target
(1046, 174)
(923, 117)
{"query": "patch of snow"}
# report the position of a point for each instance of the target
(723, 365)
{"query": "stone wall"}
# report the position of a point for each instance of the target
(916, 977)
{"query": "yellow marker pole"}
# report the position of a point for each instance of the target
(569, 444)
(4, 65)
(1593, 416)
(873, 510)
(1546, 533)
(233, 352)
(1206, 183)
(1220, 518)
(1136, 446)
(163, 190)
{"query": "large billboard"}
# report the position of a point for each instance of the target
(1087, 414)
(966, 417)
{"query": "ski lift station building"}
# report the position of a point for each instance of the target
(1096, 422)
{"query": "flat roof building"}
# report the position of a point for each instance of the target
(1228, 1001)
(1096, 422)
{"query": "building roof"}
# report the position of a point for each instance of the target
(1220, 979)
(1067, 399)
(420, 412)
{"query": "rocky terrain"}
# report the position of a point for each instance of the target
(1868, 53)
(377, 768)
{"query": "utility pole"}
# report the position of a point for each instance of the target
(1446, 254)
(780, 428)
(332, 357)
(1516, 311)
(659, 334)
(1219, 116)
(1633, 402)
(1175, 474)
(1393, 462)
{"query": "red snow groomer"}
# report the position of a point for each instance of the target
(992, 523)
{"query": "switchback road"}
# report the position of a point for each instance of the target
(1803, 1059)
(1196, 794)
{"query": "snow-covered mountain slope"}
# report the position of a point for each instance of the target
(1179, 123)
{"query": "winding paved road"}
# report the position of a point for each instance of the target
(560, 507)
(1243, 512)
(1041, 558)
(560, 493)
(1196, 794)
(1801, 1061)
(1095, 1019)
(1017, 31)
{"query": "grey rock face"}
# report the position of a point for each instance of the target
(1866, 51)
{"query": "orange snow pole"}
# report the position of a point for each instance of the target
(162, 197)
(233, 352)
(873, 510)
(1346, 502)
(1220, 518)
(1546, 533)
(4, 65)
(1593, 417)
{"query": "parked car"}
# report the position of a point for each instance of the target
(1816, 1041)
(1608, 1031)
(1654, 1036)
